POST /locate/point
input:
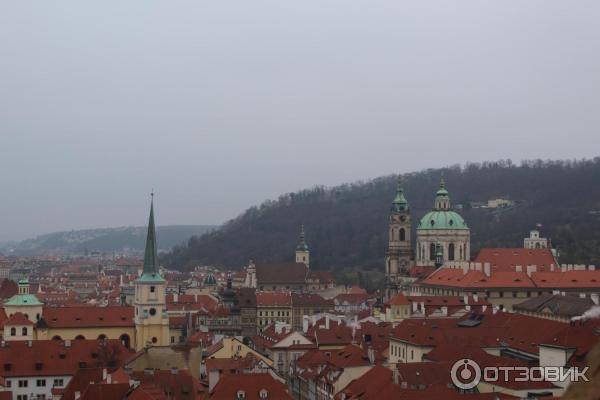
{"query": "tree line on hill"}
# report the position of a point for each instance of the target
(346, 226)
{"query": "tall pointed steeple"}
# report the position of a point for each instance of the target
(151, 267)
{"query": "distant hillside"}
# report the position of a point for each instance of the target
(346, 226)
(109, 240)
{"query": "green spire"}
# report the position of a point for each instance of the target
(150, 271)
(442, 190)
(302, 246)
(399, 204)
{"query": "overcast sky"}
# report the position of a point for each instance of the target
(219, 105)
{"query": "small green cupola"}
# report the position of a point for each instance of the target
(302, 246)
(442, 199)
(400, 204)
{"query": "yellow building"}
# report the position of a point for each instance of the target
(151, 318)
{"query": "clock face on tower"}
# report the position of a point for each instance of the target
(403, 218)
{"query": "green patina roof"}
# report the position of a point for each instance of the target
(151, 270)
(442, 190)
(302, 246)
(23, 300)
(442, 219)
(400, 203)
(210, 279)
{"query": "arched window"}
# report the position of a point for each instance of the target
(56, 337)
(79, 337)
(13, 331)
(125, 341)
(102, 336)
(402, 234)
(451, 252)
(432, 251)
(24, 331)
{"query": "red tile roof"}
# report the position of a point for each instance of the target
(505, 259)
(85, 316)
(53, 357)
(273, 299)
(252, 385)
(18, 319)
(175, 384)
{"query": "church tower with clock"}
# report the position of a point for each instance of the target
(398, 257)
(151, 318)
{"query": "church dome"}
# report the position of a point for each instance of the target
(442, 219)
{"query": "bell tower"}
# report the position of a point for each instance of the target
(398, 257)
(302, 252)
(151, 319)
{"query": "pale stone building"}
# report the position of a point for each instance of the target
(442, 234)
(399, 255)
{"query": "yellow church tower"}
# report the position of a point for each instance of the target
(151, 319)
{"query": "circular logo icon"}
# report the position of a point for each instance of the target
(465, 374)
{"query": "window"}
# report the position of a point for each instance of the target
(172, 339)
(58, 383)
(402, 234)
(8, 383)
(432, 251)
(13, 331)
(24, 331)
(152, 289)
(22, 397)
(451, 252)
(40, 383)
(23, 383)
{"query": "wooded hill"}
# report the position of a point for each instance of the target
(346, 226)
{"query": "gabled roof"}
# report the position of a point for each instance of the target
(252, 385)
(18, 319)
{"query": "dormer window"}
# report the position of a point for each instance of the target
(240, 395)
(263, 394)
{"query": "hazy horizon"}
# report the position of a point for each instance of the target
(220, 106)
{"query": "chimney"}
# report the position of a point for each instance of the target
(104, 374)
(582, 295)
(487, 269)
(415, 306)
(594, 297)
(531, 269)
(518, 268)
(67, 343)
(176, 297)
(423, 307)
(494, 310)
(174, 370)
(396, 375)
(483, 308)
(371, 354)
(305, 323)
(475, 297)
(77, 395)
(327, 321)
(466, 299)
(109, 379)
(444, 311)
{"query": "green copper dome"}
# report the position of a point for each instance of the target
(442, 219)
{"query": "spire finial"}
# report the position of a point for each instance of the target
(442, 181)
(302, 245)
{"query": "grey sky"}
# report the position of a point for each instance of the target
(219, 105)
